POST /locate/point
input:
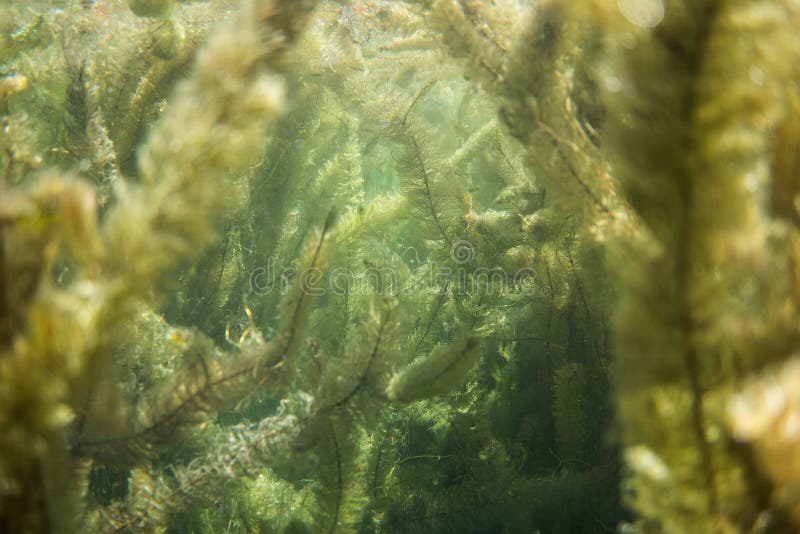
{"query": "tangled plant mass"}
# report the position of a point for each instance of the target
(407, 266)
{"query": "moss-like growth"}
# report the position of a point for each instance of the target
(150, 8)
(275, 266)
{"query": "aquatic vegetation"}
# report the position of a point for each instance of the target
(408, 266)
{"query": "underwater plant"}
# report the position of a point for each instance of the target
(407, 266)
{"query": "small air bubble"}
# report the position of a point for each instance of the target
(613, 84)
(756, 75)
(751, 182)
(642, 13)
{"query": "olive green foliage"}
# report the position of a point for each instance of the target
(413, 266)
(698, 312)
(198, 205)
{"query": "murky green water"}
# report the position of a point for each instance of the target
(398, 266)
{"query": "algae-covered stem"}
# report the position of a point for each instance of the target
(383, 325)
(687, 245)
(419, 161)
